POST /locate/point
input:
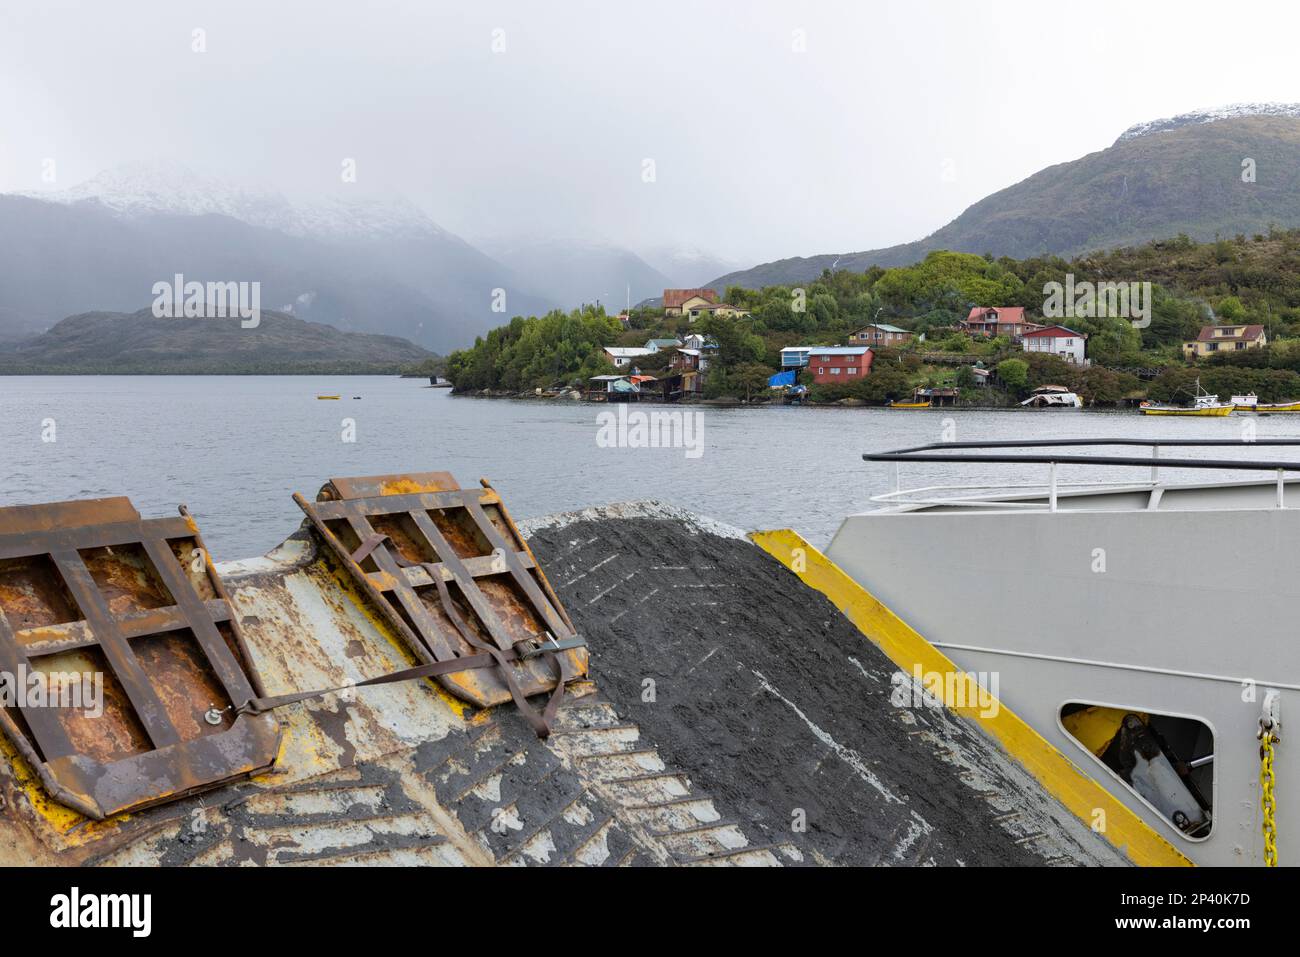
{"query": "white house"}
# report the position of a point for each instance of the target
(1058, 341)
(623, 355)
(795, 357)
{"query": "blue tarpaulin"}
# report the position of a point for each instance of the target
(781, 379)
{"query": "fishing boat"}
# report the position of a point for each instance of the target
(1203, 403)
(1218, 409)
(910, 405)
(1250, 403)
(1161, 676)
(327, 397)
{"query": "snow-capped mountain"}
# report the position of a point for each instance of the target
(1232, 111)
(354, 260)
(152, 188)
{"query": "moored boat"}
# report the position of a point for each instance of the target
(1053, 396)
(1203, 403)
(1147, 408)
(1251, 403)
(909, 405)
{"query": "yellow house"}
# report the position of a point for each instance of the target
(677, 301)
(1215, 339)
(693, 310)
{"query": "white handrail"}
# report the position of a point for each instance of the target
(902, 496)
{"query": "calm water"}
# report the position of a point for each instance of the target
(234, 448)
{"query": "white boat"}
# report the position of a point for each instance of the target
(1053, 396)
(1155, 671)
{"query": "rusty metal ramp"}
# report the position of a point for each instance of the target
(448, 570)
(396, 773)
(124, 628)
(754, 724)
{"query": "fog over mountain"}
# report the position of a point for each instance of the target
(359, 261)
(361, 266)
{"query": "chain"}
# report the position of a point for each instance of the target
(1268, 801)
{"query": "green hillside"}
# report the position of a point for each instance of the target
(1187, 180)
(140, 344)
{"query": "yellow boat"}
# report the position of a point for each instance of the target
(327, 397)
(1203, 403)
(909, 405)
(1179, 410)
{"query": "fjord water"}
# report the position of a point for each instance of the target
(234, 448)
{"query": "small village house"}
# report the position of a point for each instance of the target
(621, 356)
(703, 343)
(676, 301)
(723, 309)
(689, 360)
(691, 365)
(655, 345)
(837, 364)
(621, 388)
(795, 357)
(1212, 339)
(992, 321)
(881, 334)
(1058, 341)
(937, 397)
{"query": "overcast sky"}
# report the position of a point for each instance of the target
(776, 128)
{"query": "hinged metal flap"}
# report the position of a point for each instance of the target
(450, 572)
(125, 624)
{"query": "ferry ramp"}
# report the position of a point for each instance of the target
(731, 715)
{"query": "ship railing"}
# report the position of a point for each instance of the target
(1046, 454)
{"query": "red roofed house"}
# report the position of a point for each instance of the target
(1212, 339)
(1058, 341)
(992, 321)
(678, 300)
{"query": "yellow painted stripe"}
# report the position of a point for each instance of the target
(908, 650)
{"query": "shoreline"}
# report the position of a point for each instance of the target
(570, 399)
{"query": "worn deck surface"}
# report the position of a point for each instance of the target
(781, 709)
(769, 711)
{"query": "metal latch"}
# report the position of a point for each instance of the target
(577, 641)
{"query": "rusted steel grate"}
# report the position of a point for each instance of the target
(90, 588)
(450, 572)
